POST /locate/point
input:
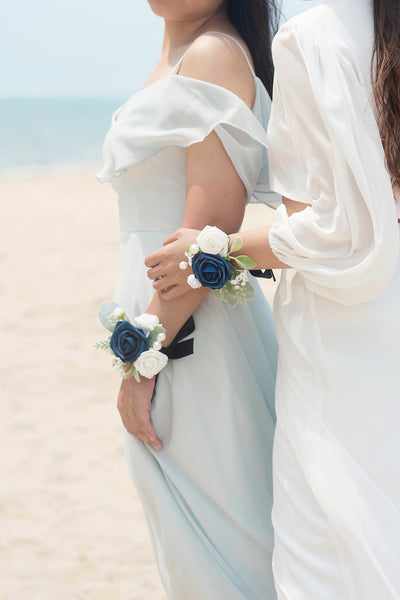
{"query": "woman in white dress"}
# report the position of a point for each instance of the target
(190, 148)
(337, 310)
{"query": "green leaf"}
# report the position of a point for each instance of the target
(130, 372)
(227, 294)
(152, 337)
(245, 262)
(237, 244)
(234, 269)
(109, 313)
(104, 345)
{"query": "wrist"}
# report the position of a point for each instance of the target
(217, 264)
(136, 346)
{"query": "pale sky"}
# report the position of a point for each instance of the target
(101, 48)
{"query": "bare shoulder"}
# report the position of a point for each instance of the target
(218, 59)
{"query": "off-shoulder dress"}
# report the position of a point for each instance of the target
(207, 494)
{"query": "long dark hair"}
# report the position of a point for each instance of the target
(386, 66)
(257, 21)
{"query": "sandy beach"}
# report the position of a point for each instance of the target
(71, 523)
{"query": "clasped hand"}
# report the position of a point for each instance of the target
(168, 279)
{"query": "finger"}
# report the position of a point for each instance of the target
(152, 440)
(174, 291)
(164, 283)
(164, 290)
(171, 238)
(152, 260)
(149, 436)
(155, 272)
(156, 444)
(142, 431)
(145, 426)
(159, 283)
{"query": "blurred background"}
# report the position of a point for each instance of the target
(65, 66)
(71, 523)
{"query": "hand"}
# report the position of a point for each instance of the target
(168, 279)
(134, 403)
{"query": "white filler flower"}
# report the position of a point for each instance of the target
(150, 363)
(194, 249)
(193, 282)
(213, 241)
(146, 321)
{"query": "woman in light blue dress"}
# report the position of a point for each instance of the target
(190, 149)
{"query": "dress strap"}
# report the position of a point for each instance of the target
(178, 64)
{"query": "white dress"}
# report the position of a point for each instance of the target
(337, 312)
(208, 493)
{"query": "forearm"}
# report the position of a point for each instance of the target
(256, 245)
(174, 313)
(256, 242)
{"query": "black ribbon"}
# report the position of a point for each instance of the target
(179, 347)
(263, 273)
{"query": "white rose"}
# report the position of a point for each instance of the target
(193, 282)
(213, 241)
(150, 363)
(146, 321)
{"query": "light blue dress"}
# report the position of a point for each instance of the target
(208, 493)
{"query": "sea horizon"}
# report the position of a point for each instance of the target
(42, 133)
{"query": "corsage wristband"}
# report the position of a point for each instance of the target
(214, 267)
(136, 347)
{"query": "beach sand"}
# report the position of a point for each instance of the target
(71, 523)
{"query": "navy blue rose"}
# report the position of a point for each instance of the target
(212, 270)
(128, 342)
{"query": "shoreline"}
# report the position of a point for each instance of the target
(31, 171)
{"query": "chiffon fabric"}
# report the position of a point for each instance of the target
(337, 312)
(207, 494)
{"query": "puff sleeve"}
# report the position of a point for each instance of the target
(325, 150)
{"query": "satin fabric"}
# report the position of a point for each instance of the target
(337, 313)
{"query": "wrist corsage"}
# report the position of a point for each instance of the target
(136, 347)
(214, 267)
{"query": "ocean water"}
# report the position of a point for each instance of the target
(41, 132)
